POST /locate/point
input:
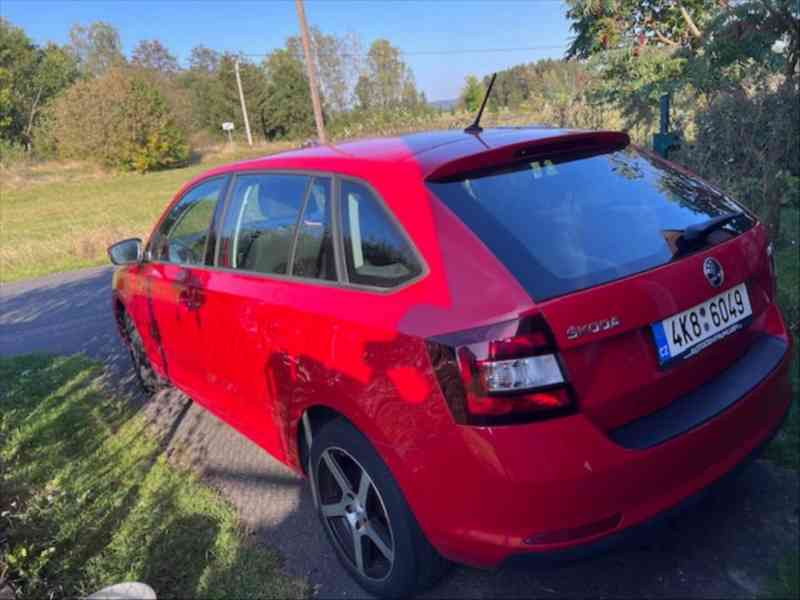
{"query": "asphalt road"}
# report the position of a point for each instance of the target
(724, 547)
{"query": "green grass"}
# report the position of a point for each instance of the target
(55, 220)
(89, 499)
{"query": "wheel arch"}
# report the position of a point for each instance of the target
(311, 420)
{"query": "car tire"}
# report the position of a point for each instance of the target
(397, 561)
(150, 381)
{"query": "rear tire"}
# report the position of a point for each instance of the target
(363, 510)
(150, 381)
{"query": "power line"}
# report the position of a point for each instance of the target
(436, 52)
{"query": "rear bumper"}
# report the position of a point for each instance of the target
(561, 489)
(641, 532)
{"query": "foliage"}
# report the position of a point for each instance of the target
(30, 77)
(727, 68)
(97, 47)
(211, 85)
(764, 34)
(286, 110)
(601, 25)
(472, 94)
(338, 64)
(749, 145)
(635, 79)
(203, 60)
(120, 120)
(11, 153)
(387, 82)
(154, 56)
(89, 498)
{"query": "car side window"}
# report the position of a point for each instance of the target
(375, 250)
(261, 220)
(313, 255)
(183, 235)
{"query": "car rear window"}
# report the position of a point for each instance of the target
(573, 222)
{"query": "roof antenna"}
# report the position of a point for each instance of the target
(476, 126)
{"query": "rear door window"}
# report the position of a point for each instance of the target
(578, 221)
(260, 222)
(376, 252)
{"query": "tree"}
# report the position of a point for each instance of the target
(472, 94)
(204, 60)
(759, 32)
(363, 93)
(389, 77)
(411, 99)
(30, 77)
(338, 65)
(607, 24)
(211, 83)
(97, 47)
(286, 108)
(154, 56)
(120, 120)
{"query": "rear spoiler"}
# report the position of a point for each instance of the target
(569, 143)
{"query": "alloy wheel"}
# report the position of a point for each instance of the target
(354, 513)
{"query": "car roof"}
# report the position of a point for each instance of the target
(430, 151)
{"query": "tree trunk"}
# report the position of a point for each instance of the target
(31, 117)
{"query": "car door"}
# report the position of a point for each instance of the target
(175, 279)
(251, 293)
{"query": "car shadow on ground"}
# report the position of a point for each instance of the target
(725, 546)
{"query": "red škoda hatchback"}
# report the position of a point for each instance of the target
(478, 346)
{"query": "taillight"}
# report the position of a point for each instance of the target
(505, 373)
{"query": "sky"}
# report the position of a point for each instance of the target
(434, 35)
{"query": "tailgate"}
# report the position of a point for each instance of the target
(616, 371)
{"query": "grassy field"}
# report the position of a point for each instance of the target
(57, 217)
(89, 499)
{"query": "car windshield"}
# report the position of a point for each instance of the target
(573, 222)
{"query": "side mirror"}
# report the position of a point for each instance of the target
(126, 252)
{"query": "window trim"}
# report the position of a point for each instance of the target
(342, 281)
(223, 192)
(298, 224)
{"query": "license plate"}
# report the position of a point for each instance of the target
(683, 335)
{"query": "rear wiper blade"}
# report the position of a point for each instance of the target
(693, 236)
(700, 231)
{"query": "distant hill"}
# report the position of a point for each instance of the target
(444, 104)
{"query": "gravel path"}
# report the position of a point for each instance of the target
(726, 547)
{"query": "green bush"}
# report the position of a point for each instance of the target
(11, 153)
(747, 144)
(120, 120)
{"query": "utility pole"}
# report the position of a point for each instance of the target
(312, 72)
(244, 107)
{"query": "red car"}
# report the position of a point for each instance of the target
(480, 347)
